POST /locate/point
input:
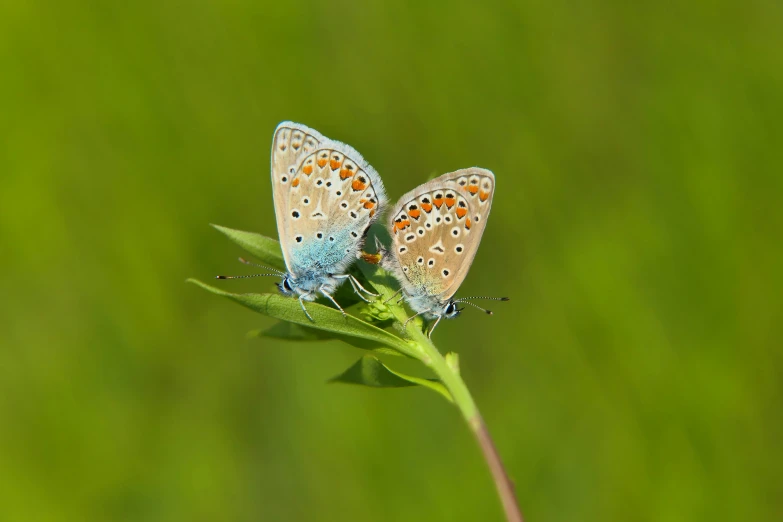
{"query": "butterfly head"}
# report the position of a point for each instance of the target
(287, 285)
(451, 310)
(307, 285)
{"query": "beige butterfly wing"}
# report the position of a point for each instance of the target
(436, 230)
(326, 196)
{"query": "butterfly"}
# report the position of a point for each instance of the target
(326, 196)
(436, 230)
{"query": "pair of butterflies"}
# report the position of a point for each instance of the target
(326, 196)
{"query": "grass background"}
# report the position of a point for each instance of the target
(635, 375)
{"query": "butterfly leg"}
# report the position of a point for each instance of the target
(393, 296)
(332, 300)
(301, 303)
(357, 287)
(355, 281)
(405, 325)
(429, 334)
(351, 279)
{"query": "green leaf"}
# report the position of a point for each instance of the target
(265, 249)
(295, 332)
(290, 332)
(324, 318)
(369, 371)
(452, 361)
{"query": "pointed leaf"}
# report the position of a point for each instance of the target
(265, 249)
(369, 371)
(323, 317)
(452, 360)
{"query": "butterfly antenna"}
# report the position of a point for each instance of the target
(474, 305)
(245, 261)
(245, 276)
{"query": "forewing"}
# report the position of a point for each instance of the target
(333, 197)
(436, 230)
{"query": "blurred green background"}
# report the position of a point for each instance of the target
(636, 374)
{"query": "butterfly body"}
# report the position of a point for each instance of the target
(436, 229)
(326, 196)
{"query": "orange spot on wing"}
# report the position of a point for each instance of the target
(322, 162)
(483, 195)
(295, 182)
(307, 169)
(372, 212)
(461, 213)
(358, 185)
(334, 164)
(373, 259)
(450, 202)
(438, 202)
(369, 204)
(414, 213)
(345, 174)
(405, 224)
(473, 189)
(467, 223)
(427, 207)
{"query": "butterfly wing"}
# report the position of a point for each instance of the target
(326, 196)
(436, 230)
(291, 143)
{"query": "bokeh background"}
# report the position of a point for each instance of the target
(637, 373)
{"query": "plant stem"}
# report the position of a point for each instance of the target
(464, 401)
(422, 348)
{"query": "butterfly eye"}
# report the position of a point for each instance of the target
(287, 285)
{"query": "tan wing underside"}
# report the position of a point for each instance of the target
(290, 145)
(436, 230)
(334, 197)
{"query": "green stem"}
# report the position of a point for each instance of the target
(464, 401)
(421, 348)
